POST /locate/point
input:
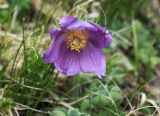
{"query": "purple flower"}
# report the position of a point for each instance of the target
(77, 47)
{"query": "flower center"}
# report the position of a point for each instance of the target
(76, 40)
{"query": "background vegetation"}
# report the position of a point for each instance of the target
(29, 87)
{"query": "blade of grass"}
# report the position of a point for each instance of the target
(136, 52)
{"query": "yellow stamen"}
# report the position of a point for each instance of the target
(76, 40)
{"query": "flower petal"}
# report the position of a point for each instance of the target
(108, 39)
(68, 62)
(98, 27)
(100, 40)
(66, 21)
(55, 32)
(92, 59)
(54, 50)
(70, 23)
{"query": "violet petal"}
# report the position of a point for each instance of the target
(92, 60)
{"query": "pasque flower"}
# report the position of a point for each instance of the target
(77, 47)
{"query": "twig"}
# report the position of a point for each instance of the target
(155, 105)
(129, 114)
(31, 108)
(80, 99)
(66, 105)
(15, 109)
(30, 87)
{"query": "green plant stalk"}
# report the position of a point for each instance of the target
(12, 70)
(136, 52)
(149, 67)
(24, 66)
(24, 46)
(55, 78)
